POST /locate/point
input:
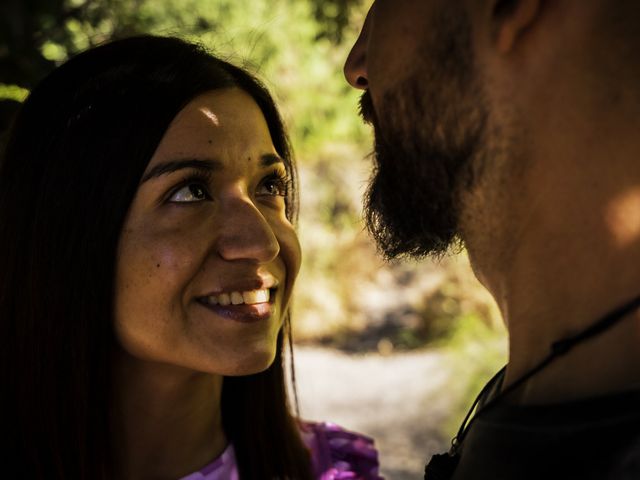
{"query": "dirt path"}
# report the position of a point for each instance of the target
(396, 399)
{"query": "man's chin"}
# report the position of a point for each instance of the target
(406, 221)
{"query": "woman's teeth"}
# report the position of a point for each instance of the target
(250, 297)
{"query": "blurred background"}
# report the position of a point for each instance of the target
(396, 351)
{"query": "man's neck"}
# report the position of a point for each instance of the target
(565, 258)
(606, 364)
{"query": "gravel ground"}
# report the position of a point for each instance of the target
(395, 399)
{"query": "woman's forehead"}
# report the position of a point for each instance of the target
(219, 123)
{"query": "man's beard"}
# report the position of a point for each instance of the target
(430, 136)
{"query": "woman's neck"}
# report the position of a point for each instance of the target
(166, 420)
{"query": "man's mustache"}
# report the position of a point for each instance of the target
(365, 108)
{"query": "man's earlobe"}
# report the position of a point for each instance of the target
(511, 19)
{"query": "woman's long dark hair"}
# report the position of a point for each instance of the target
(71, 168)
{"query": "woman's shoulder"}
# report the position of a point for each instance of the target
(340, 454)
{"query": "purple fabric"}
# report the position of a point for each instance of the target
(336, 453)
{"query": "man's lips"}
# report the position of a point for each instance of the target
(365, 107)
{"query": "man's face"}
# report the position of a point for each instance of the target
(415, 60)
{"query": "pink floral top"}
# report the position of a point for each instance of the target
(336, 453)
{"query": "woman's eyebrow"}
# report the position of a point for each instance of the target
(171, 166)
(269, 159)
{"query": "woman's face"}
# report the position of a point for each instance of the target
(207, 256)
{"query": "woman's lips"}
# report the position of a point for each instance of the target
(243, 313)
(245, 307)
(248, 297)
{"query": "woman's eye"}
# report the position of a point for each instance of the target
(190, 193)
(273, 186)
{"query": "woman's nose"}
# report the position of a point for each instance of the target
(355, 68)
(246, 234)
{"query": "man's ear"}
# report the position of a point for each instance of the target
(511, 19)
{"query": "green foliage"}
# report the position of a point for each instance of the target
(292, 44)
(278, 39)
(13, 92)
(334, 16)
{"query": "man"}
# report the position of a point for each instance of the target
(513, 126)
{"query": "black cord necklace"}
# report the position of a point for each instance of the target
(442, 466)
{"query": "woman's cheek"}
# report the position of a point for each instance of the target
(291, 253)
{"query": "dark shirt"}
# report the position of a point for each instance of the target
(595, 438)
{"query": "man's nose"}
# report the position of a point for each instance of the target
(246, 235)
(355, 68)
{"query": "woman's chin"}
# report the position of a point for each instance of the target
(250, 364)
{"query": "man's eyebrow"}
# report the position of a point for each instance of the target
(171, 166)
(269, 159)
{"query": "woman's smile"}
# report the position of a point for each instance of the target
(241, 312)
(244, 305)
(249, 297)
(208, 256)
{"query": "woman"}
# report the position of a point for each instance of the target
(147, 257)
